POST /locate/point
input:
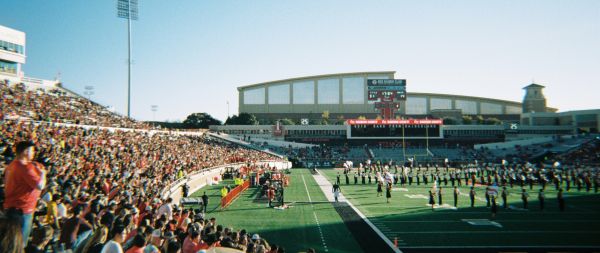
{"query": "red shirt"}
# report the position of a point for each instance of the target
(21, 186)
(189, 246)
(135, 249)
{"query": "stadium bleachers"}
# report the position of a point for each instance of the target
(110, 170)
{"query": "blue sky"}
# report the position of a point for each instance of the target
(191, 55)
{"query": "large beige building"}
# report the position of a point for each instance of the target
(345, 95)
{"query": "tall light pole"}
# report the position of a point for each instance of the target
(154, 108)
(128, 9)
(89, 91)
(227, 108)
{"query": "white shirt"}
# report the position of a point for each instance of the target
(61, 210)
(112, 247)
(167, 210)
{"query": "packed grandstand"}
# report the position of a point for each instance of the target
(107, 172)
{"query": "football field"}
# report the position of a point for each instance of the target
(309, 222)
(410, 221)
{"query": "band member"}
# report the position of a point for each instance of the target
(487, 196)
(472, 196)
(440, 196)
(541, 199)
(494, 207)
(504, 197)
(355, 178)
(524, 197)
(379, 190)
(336, 191)
(561, 200)
(431, 199)
(388, 192)
(456, 194)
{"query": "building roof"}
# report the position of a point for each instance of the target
(534, 85)
(318, 76)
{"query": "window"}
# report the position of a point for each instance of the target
(304, 92)
(467, 107)
(254, 96)
(354, 90)
(513, 110)
(8, 67)
(438, 103)
(328, 91)
(416, 105)
(12, 47)
(279, 94)
(489, 108)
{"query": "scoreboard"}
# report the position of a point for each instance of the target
(394, 129)
(386, 89)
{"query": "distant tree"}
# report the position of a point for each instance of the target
(492, 121)
(287, 122)
(325, 115)
(449, 121)
(467, 120)
(200, 120)
(242, 119)
(340, 120)
(479, 119)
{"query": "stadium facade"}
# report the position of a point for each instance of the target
(344, 96)
(13, 56)
(12, 52)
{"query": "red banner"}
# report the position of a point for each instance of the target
(234, 193)
(394, 122)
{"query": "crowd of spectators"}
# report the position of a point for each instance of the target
(588, 153)
(57, 105)
(67, 188)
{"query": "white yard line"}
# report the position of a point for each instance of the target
(326, 187)
(501, 232)
(316, 218)
(504, 247)
(459, 221)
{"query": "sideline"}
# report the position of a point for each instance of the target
(316, 218)
(326, 187)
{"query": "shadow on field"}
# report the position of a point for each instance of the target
(577, 229)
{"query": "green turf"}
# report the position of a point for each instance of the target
(295, 228)
(414, 224)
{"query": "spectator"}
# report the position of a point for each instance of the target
(96, 243)
(139, 242)
(24, 180)
(166, 209)
(114, 245)
(11, 239)
(41, 237)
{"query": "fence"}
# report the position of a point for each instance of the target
(233, 194)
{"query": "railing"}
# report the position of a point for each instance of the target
(233, 194)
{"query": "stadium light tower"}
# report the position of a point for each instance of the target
(154, 108)
(89, 91)
(128, 9)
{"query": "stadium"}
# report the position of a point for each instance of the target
(342, 162)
